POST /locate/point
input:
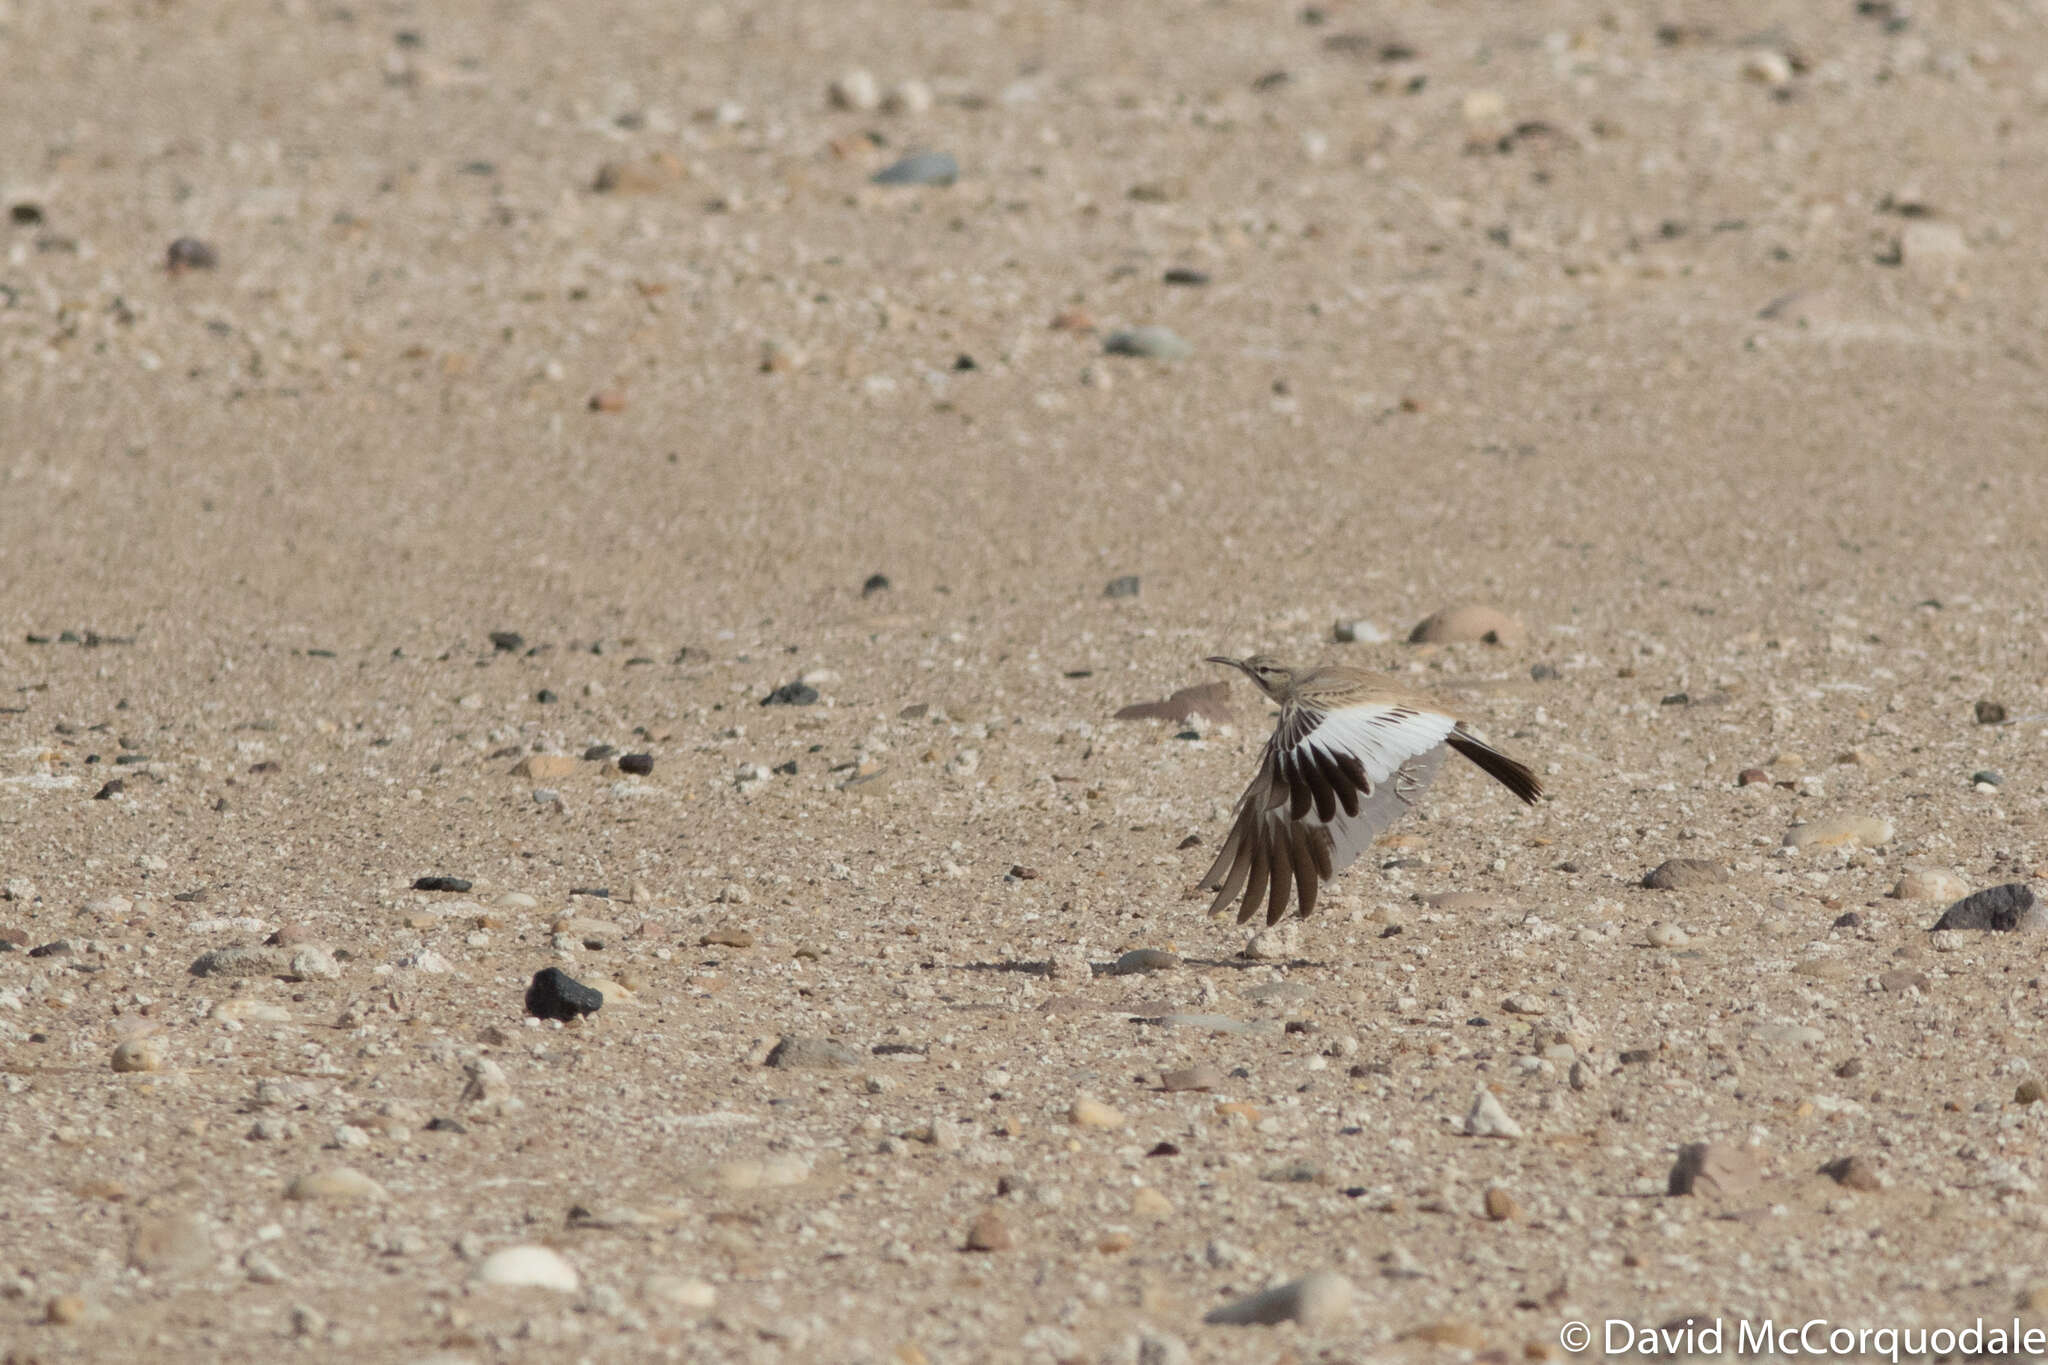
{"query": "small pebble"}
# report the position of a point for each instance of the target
(792, 694)
(528, 1267)
(920, 168)
(189, 253)
(1140, 961)
(908, 97)
(1662, 935)
(1471, 623)
(1753, 777)
(1093, 1113)
(795, 1053)
(1713, 1170)
(1525, 1003)
(1202, 1077)
(1317, 1302)
(1840, 831)
(139, 1054)
(336, 1183)
(1684, 874)
(1359, 632)
(854, 89)
(241, 962)
(2029, 1091)
(1147, 1202)
(1149, 343)
(1854, 1173)
(1767, 67)
(1930, 884)
(311, 962)
(988, 1233)
(1501, 1206)
(639, 765)
(1487, 1118)
(1124, 586)
(442, 884)
(66, 1310)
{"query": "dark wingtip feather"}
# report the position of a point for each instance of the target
(1511, 773)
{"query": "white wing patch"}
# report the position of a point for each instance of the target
(1382, 736)
(1376, 814)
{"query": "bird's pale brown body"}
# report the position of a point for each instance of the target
(1348, 755)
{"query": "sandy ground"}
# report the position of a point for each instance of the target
(1703, 339)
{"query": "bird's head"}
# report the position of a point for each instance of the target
(1271, 678)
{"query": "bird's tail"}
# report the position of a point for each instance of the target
(1511, 773)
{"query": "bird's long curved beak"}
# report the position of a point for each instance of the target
(1224, 659)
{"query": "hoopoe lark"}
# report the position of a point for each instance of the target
(1350, 753)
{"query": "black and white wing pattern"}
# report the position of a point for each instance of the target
(1329, 783)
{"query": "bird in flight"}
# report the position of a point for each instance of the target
(1348, 756)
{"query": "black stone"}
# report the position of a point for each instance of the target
(111, 790)
(1990, 713)
(637, 764)
(1164, 1149)
(546, 696)
(1848, 920)
(598, 753)
(25, 214)
(1126, 586)
(791, 694)
(189, 253)
(441, 884)
(964, 361)
(877, 582)
(602, 893)
(438, 1125)
(1181, 274)
(61, 948)
(555, 994)
(129, 760)
(507, 641)
(1990, 777)
(2001, 909)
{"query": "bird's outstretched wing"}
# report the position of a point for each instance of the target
(1329, 783)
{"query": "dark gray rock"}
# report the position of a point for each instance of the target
(795, 1053)
(920, 168)
(1682, 874)
(2002, 909)
(792, 694)
(555, 994)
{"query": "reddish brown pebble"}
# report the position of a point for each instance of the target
(987, 1233)
(608, 400)
(1753, 777)
(1023, 873)
(1501, 1206)
(1073, 320)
